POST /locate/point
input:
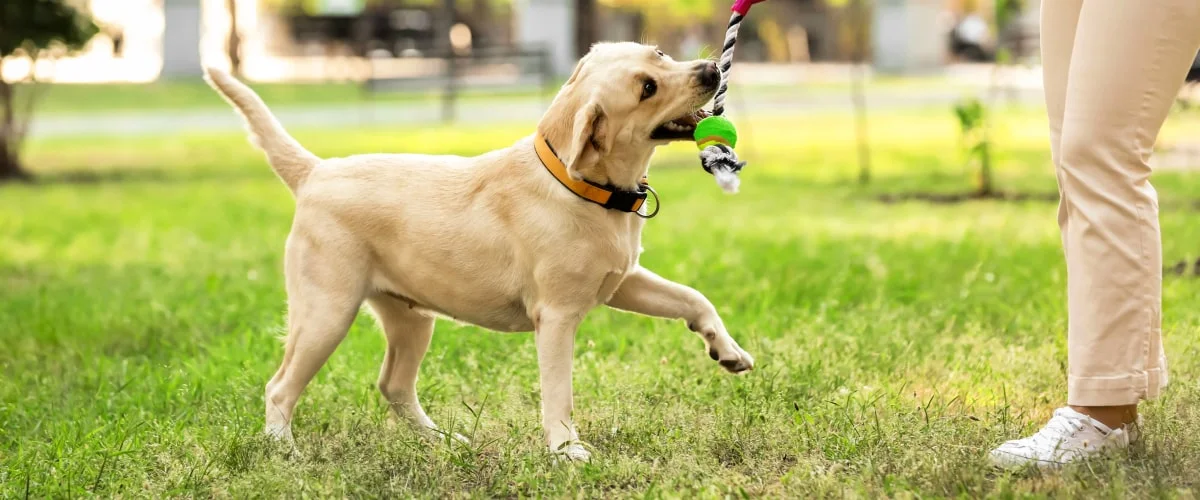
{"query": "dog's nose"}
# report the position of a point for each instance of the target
(709, 76)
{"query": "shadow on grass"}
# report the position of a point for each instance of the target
(1183, 268)
(960, 197)
(952, 198)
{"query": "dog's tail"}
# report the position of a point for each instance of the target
(287, 157)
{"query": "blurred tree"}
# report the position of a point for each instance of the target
(34, 29)
(1005, 18)
(665, 16)
(674, 8)
(585, 26)
(973, 121)
(973, 114)
(483, 12)
(858, 24)
(313, 5)
(774, 39)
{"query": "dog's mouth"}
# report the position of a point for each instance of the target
(679, 129)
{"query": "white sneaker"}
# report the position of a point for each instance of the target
(1067, 437)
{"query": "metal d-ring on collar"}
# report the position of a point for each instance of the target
(657, 203)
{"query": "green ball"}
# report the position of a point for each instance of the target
(715, 130)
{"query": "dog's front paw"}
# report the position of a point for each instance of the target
(738, 361)
(435, 435)
(460, 439)
(571, 451)
(280, 433)
(280, 441)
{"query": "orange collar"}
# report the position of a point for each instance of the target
(610, 197)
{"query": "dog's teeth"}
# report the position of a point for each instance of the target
(677, 127)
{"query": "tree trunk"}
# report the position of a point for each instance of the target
(10, 136)
(10, 164)
(858, 91)
(986, 187)
(858, 95)
(450, 92)
(483, 35)
(585, 26)
(234, 44)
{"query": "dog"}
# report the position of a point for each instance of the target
(526, 238)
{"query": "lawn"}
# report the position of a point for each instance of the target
(142, 301)
(195, 94)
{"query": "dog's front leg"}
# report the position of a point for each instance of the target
(555, 333)
(647, 293)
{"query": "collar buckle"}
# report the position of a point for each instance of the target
(625, 201)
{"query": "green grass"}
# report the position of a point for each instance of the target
(194, 94)
(895, 343)
(191, 95)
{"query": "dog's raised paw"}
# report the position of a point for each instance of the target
(742, 363)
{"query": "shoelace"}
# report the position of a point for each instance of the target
(1058, 429)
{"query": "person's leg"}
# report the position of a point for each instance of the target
(1058, 23)
(1057, 44)
(1127, 65)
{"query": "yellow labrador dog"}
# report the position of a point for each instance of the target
(526, 238)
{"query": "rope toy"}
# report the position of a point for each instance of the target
(715, 135)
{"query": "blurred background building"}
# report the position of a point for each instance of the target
(360, 40)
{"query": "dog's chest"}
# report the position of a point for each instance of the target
(612, 262)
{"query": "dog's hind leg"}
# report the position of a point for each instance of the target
(408, 334)
(326, 285)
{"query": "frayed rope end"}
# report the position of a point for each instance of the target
(720, 161)
(728, 181)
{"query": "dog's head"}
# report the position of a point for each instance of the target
(622, 100)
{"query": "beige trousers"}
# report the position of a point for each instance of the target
(1112, 69)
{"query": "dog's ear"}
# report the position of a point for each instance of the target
(590, 138)
(578, 69)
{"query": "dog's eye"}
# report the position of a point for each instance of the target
(649, 89)
(660, 53)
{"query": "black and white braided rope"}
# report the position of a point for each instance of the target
(718, 159)
(726, 62)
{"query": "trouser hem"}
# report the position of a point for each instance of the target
(1119, 390)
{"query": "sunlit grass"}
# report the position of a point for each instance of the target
(193, 94)
(896, 343)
